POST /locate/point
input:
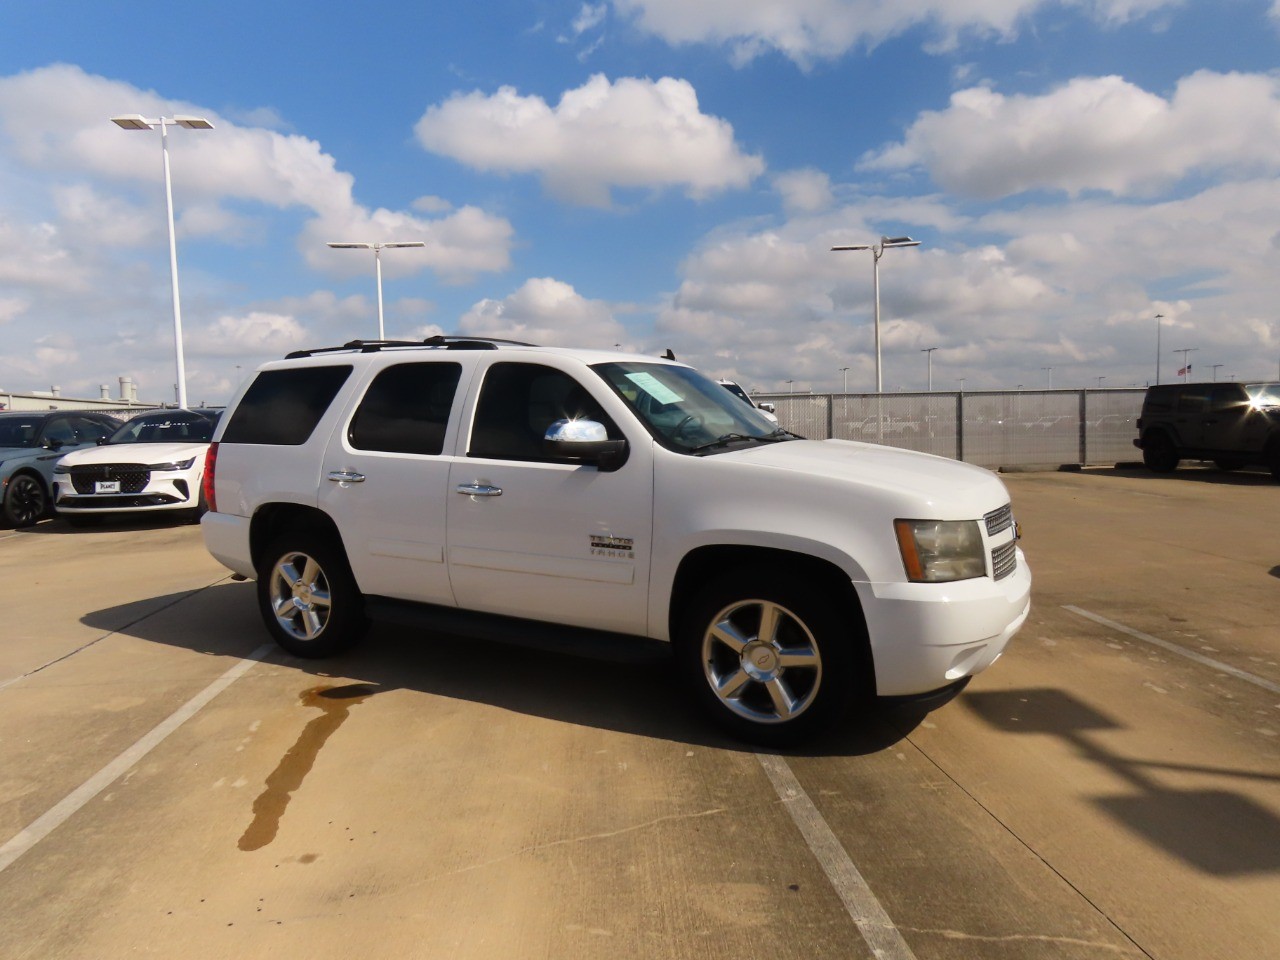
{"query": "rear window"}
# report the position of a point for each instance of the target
(406, 409)
(282, 407)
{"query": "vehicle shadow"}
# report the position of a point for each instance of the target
(61, 527)
(1192, 472)
(1214, 830)
(637, 695)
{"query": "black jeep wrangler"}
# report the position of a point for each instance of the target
(1233, 424)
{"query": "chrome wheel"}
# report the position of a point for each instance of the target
(761, 661)
(299, 596)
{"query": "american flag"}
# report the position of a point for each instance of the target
(1185, 370)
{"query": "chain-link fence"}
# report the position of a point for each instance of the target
(1018, 428)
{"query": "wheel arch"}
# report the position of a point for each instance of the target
(701, 564)
(272, 519)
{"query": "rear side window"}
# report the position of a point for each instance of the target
(282, 407)
(406, 409)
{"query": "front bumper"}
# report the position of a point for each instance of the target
(927, 636)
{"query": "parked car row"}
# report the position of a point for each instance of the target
(85, 465)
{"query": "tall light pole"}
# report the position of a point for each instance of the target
(1049, 370)
(877, 251)
(929, 352)
(377, 260)
(135, 121)
(1215, 367)
(1186, 362)
(1159, 317)
(844, 372)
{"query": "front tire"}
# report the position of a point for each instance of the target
(773, 660)
(308, 597)
(25, 501)
(1159, 453)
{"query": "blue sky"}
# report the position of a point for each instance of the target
(653, 173)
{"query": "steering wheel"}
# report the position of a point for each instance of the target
(689, 421)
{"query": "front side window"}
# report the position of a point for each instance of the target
(517, 404)
(685, 411)
(91, 430)
(406, 409)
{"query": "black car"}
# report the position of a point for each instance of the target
(1233, 424)
(31, 442)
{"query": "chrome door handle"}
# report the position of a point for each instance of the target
(479, 490)
(346, 476)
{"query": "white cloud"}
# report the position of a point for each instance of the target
(55, 120)
(632, 133)
(255, 333)
(1094, 133)
(809, 30)
(803, 191)
(11, 307)
(547, 312)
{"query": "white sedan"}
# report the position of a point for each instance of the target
(154, 463)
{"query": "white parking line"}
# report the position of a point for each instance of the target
(72, 802)
(1180, 651)
(877, 929)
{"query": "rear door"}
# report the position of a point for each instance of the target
(1226, 422)
(384, 480)
(533, 537)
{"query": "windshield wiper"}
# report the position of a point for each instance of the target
(727, 438)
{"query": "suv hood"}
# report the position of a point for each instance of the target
(135, 453)
(922, 475)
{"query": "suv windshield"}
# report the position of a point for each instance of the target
(1263, 394)
(166, 428)
(684, 410)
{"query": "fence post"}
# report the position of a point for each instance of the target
(960, 425)
(1084, 430)
(831, 403)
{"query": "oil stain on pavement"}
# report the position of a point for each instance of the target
(335, 705)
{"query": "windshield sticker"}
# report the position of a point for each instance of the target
(654, 387)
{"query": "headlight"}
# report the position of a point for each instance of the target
(61, 467)
(184, 465)
(938, 551)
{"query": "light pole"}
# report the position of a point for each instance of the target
(844, 372)
(1100, 379)
(1215, 367)
(135, 121)
(1049, 370)
(1159, 317)
(928, 351)
(1186, 362)
(791, 386)
(877, 251)
(377, 260)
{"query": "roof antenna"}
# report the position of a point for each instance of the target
(668, 355)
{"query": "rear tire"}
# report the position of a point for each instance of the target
(1159, 453)
(25, 501)
(773, 660)
(308, 597)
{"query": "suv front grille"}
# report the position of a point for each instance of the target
(133, 477)
(999, 520)
(1004, 560)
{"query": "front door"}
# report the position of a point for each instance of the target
(545, 540)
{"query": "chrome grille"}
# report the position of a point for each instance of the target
(999, 520)
(133, 477)
(1004, 560)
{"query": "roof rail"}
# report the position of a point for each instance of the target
(443, 342)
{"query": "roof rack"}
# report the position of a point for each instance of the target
(444, 342)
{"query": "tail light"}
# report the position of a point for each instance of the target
(206, 483)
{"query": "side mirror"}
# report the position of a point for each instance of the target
(767, 407)
(587, 441)
(53, 443)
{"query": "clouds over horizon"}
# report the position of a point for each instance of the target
(630, 133)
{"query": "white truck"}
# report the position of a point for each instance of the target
(485, 487)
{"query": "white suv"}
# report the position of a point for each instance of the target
(483, 486)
